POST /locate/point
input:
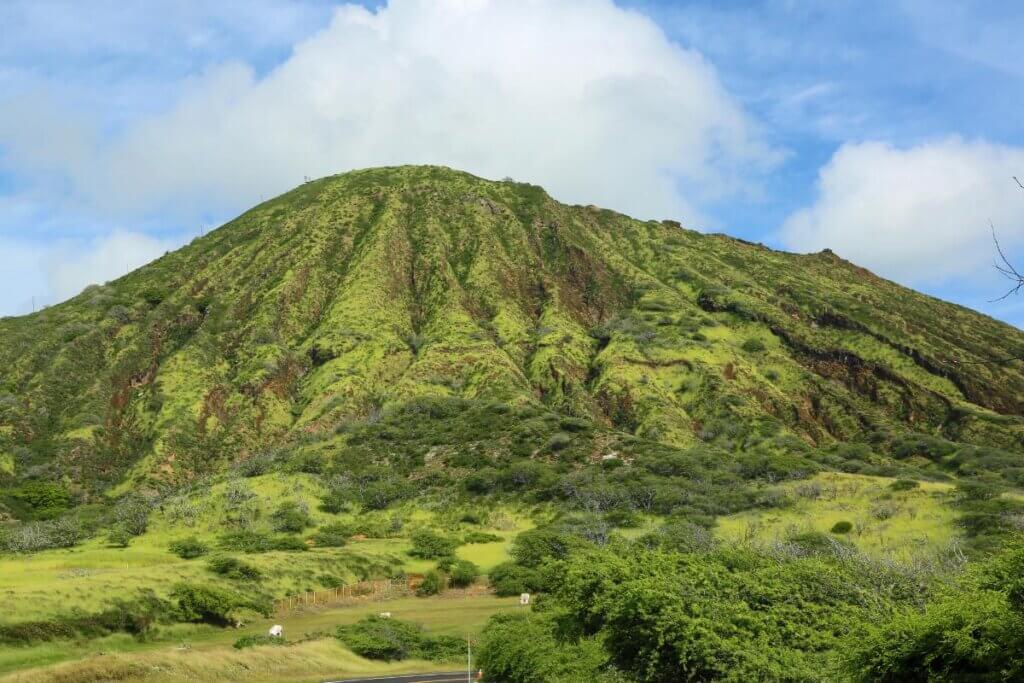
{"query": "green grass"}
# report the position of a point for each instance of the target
(886, 523)
(302, 663)
(449, 614)
(87, 577)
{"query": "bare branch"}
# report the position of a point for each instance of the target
(1006, 269)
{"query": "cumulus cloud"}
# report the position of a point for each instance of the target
(588, 99)
(34, 274)
(919, 215)
(71, 266)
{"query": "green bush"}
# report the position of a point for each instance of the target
(335, 501)
(45, 498)
(257, 640)
(559, 441)
(481, 537)
(290, 517)
(510, 578)
(332, 536)
(463, 573)
(433, 583)
(973, 632)
(521, 647)
(904, 485)
(214, 605)
(189, 548)
(532, 547)
(257, 465)
(753, 345)
(63, 532)
(135, 618)
(431, 545)
(131, 514)
(816, 543)
(255, 542)
(842, 527)
(119, 538)
(977, 490)
(307, 462)
(232, 568)
(386, 639)
(442, 649)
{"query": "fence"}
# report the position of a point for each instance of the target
(363, 590)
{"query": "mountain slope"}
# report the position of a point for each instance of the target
(354, 294)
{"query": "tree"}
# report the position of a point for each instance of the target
(1004, 265)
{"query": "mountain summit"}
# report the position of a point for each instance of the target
(355, 294)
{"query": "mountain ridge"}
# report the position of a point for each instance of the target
(353, 293)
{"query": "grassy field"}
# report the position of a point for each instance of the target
(889, 523)
(201, 653)
(305, 662)
(88, 576)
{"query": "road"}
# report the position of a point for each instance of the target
(456, 677)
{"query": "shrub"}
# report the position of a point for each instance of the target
(121, 617)
(214, 605)
(510, 578)
(257, 465)
(379, 638)
(753, 345)
(132, 515)
(119, 538)
(904, 485)
(682, 536)
(394, 640)
(257, 640)
(430, 545)
(481, 482)
(558, 441)
(335, 500)
(254, 542)
(63, 532)
(816, 543)
(481, 537)
(44, 498)
(189, 548)
(842, 527)
(433, 584)
(443, 649)
(309, 463)
(535, 545)
(977, 490)
(332, 536)
(232, 568)
(463, 573)
(973, 632)
(521, 647)
(290, 517)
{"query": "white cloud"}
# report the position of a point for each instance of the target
(588, 99)
(38, 274)
(918, 215)
(71, 266)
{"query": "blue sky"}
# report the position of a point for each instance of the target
(887, 131)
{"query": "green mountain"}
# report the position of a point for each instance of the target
(361, 314)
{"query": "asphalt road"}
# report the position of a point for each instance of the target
(456, 677)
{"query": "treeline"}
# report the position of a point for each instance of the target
(658, 611)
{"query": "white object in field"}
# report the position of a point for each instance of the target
(524, 599)
(385, 615)
(610, 456)
(276, 631)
